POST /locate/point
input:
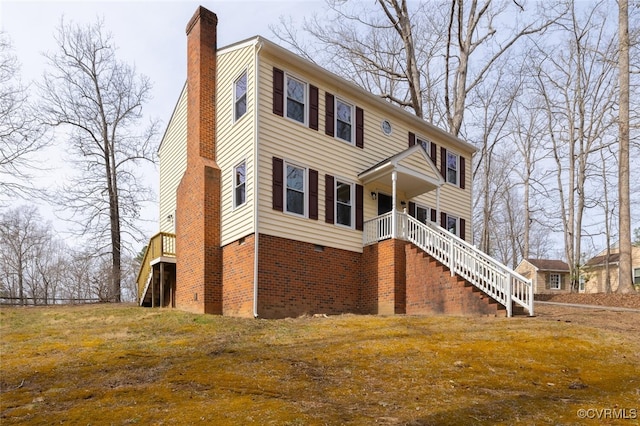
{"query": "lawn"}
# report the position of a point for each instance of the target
(119, 364)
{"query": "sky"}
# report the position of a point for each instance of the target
(149, 35)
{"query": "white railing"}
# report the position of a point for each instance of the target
(492, 277)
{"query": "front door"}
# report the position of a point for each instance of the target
(384, 203)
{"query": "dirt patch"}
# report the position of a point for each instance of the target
(599, 299)
(598, 315)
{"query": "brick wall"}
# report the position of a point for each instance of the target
(297, 278)
(383, 285)
(431, 289)
(237, 273)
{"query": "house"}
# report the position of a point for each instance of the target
(548, 276)
(594, 274)
(286, 190)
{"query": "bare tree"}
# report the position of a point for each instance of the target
(20, 134)
(625, 284)
(22, 236)
(99, 101)
(576, 84)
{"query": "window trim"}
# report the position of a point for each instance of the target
(306, 101)
(285, 187)
(423, 207)
(457, 220)
(235, 186)
(353, 123)
(246, 95)
(352, 202)
(636, 276)
(427, 149)
(457, 183)
(551, 283)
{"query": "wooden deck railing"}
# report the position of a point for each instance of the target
(492, 277)
(160, 245)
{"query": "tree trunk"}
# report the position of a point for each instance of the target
(625, 284)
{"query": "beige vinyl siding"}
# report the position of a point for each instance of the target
(173, 162)
(292, 141)
(234, 140)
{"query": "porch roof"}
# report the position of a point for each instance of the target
(416, 173)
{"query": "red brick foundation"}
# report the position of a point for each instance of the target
(237, 275)
(297, 278)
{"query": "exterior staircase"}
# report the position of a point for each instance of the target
(453, 270)
(157, 275)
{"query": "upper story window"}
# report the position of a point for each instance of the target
(344, 121)
(425, 144)
(555, 281)
(296, 99)
(240, 96)
(452, 168)
(239, 184)
(295, 189)
(344, 203)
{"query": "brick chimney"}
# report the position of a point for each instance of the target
(198, 251)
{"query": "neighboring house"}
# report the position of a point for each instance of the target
(594, 273)
(286, 190)
(548, 276)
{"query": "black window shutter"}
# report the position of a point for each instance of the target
(433, 215)
(278, 92)
(433, 153)
(359, 207)
(278, 174)
(313, 194)
(359, 127)
(328, 115)
(412, 139)
(462, 172)
(412, 209)
(328, 199)
(443, 162)
(462, 230)
(313, 107)
(443, 220)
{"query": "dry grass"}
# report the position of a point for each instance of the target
(123, 365)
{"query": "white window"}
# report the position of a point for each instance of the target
(344, 197)
(636, 276)
(581, 283)
(425, 144)
(423, 214)
(555, 281)
(296, 100)
(344, 121)
(453, 224)
(239, 184)
(240, 96)
(452, 168)
(296, 189)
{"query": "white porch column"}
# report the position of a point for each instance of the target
(437, 204)
(394, 224)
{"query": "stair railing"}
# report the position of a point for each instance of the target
(160, 245)
(479, 269)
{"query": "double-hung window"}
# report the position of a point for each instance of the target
(344, 197)
(453, 224)
(239, 184)
(344, 120)
(422, 214)
(296, 99)
(636, 276)
(296, 189)
(555, 281)
(425, 144)
(452, 168)
(240, 97)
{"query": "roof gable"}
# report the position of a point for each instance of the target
(549, 264)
